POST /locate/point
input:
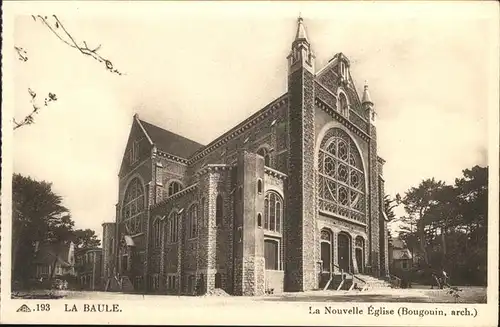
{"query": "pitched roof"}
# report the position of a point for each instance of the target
(169, 142)
(400, 254)
(398, 243)
(48, 252)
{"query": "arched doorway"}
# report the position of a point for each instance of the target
(360, 253)
(344, 251)
(326, 250)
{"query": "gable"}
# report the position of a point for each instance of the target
(330, 79)
(137, 149)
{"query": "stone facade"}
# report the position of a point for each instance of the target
(291, 192)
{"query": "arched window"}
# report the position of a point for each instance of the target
(172, 227)
(192, 221)
(341, 179)
(259, 186)
(263, 152)
(273, 212)
(259, 220)
(218, 210)
(174, 187)
(343, 104)
(157, 232)
(133, 207)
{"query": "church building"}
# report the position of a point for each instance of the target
(285, 201)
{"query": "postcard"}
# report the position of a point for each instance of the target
(243, 163)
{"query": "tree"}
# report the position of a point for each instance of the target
(417, 202)
(35, 210)
(40, 218)
(452, 223)
(86, 239)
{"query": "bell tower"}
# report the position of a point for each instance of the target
(301, 270)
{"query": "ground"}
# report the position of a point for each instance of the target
(469, 294)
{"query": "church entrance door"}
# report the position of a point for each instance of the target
(344, 251)
(359, 259)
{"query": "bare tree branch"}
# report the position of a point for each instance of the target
(58, 25)
(84, 49)
(30, 118)
(22, 53)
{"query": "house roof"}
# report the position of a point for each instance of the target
(401, 254)
(47, 253)
(169, 142)
(398, 244)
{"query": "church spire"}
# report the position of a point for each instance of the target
(366, 96)
(301, 55)
(301, 34)
(367, 104)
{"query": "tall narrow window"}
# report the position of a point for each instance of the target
(157, 232)
(263, 152)
(273, 212)
(218, 210)
(192, 221)
(259, 186)
(174, 187)
(259, 220)
(240, 234)
(266, 213)
(343, 105)
(172, 227)
(134, 152)
(202, 212)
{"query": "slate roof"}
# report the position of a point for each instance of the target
(169, 142)
(400, 254)
(48, 252)
(398, 244)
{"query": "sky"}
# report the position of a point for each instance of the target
(199, 69)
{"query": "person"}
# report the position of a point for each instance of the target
(436, 279)
(445, 279)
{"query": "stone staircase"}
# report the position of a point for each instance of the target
(372, 283)
(115, 284)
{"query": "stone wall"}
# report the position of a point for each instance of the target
(374, 205)
(108, 249)
(299, 235)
